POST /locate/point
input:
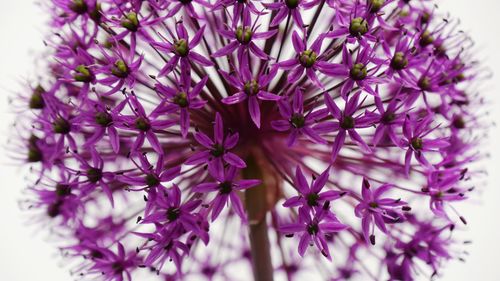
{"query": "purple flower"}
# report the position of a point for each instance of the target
(121, 69)
(143, 124)
(239, 8)
(308, 60)
(181, 48)
(310, 196)
(150, 178)
(96, 176)
(227, 190)
(102, 121)
(242, 38)
(417, 142)
(346, 123)
(182, 99)
(171, 213)
(388, 120)
(313, 230)
(250, 88)
(115, 266)
(376, 210)
(217, 150)
(298, 122)
(357, 71)
(289, 8)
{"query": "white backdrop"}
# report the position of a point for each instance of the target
(24, 255)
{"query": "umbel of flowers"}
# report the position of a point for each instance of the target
(251, 140)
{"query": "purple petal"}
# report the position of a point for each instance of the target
(337, 144)
(218, 128)
(233, 160)
(268, 96)
(281, 125)
(204, 140)
(198, 158)
(236, 98)
(218, 205)
(300, 181)
(254, 110)
(206, 187)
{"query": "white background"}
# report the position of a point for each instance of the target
(24, 255)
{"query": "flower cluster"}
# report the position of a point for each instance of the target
(202, 139)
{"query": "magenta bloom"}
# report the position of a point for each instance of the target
(311, 196)
(242, 38)
(417, 143)
(297, 121)
(204, 140)
(289, 8)
(374, 209)
(227, 188)
(183, 100)
(251, 89)
(181, 50)
(308, 60)
(216, 151)
(346, 123)
(314, 229)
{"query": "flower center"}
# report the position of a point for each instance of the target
(417, 143)
(358, 27)
(244, 34)
(181, 99)
(251, 88)
(142, 124)
(130, 22)
(185, 1)
(358, 72)
(225, 187)
(83, 74)
(298, 121)
(218, 150)
(459, 122)
(424, 83)
(373, 205)
(347, 123)
(426, 39)
(173, 214)
(117, 267)
(312, 199)
(424, 19)
(181, 47)
(103, 118)
(94, 175)
(36, 100)
(34, 154)
(292, 4)
(399, 61)
(54, 209)
(78, 6)
(61, 126)
(120, 69)
(307, 58)
(388, 117)
(376, 5)
(95, 14)
(312, 228)
(151, 180)
(63, 190)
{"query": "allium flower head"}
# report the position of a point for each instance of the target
(201, 139)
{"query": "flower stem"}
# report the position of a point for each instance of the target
(256, 205)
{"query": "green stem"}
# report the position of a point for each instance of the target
(256, 205)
